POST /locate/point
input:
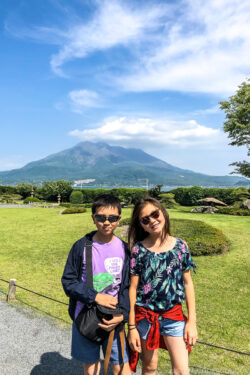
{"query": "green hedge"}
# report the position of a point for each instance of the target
(31, 200)
(233, 211)
(76, 197)
(74, 210)
(188, 196)
(67, 205)
(202, 239)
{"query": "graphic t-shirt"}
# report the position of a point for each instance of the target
(107, 265)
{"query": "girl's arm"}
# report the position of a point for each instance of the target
(133, 334)
(190, 335)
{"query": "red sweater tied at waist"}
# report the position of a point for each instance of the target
(154, 340)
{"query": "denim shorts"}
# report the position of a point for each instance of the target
(168, 327)
(87, 351)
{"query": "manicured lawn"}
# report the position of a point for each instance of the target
(34, 244)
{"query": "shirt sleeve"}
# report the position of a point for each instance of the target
(187, 261)
(135, 263)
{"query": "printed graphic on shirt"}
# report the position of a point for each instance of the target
(103, 282)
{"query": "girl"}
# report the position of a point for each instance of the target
(160, 281)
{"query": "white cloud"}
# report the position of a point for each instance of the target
(208, 111)
(81, 99)
(113, 24)
(187, 45)
(205, 49)
(145, 132)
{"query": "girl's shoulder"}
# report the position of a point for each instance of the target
(138, 248)
(180, 243)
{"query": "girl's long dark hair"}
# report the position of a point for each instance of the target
(136, 232)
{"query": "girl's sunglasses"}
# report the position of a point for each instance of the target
(110, 218)
(154, 215)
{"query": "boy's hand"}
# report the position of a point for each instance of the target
(190, 334)
(134, 340)
(106, 300)
(108, 325)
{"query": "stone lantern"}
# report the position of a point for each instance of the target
(59, 198)
(32, 192)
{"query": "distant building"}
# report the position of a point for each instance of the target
(79, 183)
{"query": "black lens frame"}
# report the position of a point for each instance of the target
(102, 218)
(154, 215)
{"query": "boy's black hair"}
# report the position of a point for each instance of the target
(106, 200)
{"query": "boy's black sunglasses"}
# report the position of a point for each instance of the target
(103, 218)
(154, 215)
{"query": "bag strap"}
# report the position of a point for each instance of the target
(109, 348)
(89, 271)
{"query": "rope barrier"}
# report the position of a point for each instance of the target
(64, 303)
(38, 294)
(220, 347)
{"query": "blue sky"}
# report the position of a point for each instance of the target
(136, 74)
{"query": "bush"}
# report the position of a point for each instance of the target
(167, 200)
(74, 210)
(4, 189)
(233, 211)
(67, 205)
(10, 198)
(202, 239)
(31, 200)
(76, 197)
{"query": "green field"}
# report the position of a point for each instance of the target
(34, 244)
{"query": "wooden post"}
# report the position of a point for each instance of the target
(12, 290)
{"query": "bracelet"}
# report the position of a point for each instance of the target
(130, 329)
(131, 325)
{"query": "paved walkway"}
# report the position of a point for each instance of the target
(30, 345)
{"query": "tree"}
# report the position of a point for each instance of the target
(76, 197)
(24, 189)
(155, 191)
(237, 123)
(51, 189)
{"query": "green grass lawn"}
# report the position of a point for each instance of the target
(34, 244)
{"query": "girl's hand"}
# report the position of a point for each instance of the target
(190, 334)
(108, 325)
(134, 340)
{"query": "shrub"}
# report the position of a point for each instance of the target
(31, 200)
(74, 210)
(202, 239)
(76, 197)
(10, 198)
(4, 189)
(167, 199)
(233, 211)
(67, 205)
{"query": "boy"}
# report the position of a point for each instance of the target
(110, 264)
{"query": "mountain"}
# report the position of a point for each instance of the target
(111, 166)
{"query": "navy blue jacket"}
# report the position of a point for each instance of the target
(76, 290)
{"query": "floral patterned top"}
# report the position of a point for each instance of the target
(161, 284)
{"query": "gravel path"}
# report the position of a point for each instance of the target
(30, 345)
